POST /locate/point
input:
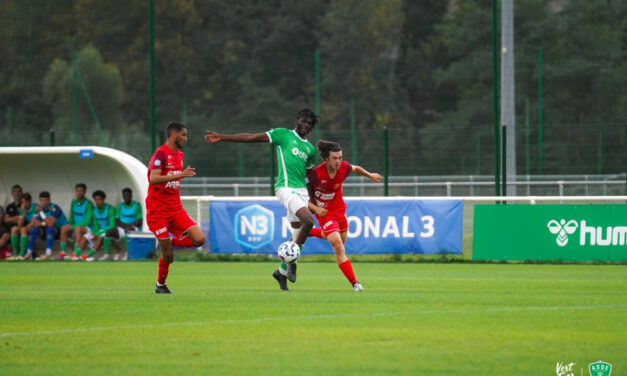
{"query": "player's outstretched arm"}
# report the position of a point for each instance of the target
(372, 176)
(157, 178)
(213, 137)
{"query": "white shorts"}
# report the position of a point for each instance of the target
(91, 237)
(293, 199)
(122, 232)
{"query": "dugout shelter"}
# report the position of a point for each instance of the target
(57, 169)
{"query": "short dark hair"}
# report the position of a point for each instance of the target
(174, 126)
(16, 186)
(326, 147)
(127, 189)
(81, 185)
(44, 194)
(26, 196)
(99, 193)
(308, 114)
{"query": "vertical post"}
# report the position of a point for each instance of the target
(355, 159)
(317, 99)
(74, 99)
(478, 137)
(184, 117)
(540, 130)
(386, 158)
(153, 112)
(527, 134)
(51, 136)
(354, 134)
(504, 153)
(625, 148)
(272, 172)
(600, 152)
(495, 91)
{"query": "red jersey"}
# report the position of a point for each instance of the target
(327, 190)
(165, 195)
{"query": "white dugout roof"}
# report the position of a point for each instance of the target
(57, 169)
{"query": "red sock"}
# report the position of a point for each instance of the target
(316, 232)
(186, 242)
(347, 269)
(164, 268)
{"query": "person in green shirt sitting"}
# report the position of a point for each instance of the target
(103, 220)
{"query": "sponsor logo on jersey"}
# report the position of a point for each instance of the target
(324, 196)
(158, 162)
(299, 154)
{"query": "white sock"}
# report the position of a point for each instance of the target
(48, 252)
(160, 284)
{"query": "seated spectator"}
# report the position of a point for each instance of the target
(104, 219)
(128, 217)
(47, 223)
(12, 216)
(81, 215)
(24, 225)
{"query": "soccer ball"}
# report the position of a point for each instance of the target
(289, 251)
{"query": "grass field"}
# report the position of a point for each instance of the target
(230, 318)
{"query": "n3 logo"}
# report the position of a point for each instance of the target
(254, 226)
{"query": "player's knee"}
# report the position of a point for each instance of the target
(199, 241)
(15, 230)
(307, 224)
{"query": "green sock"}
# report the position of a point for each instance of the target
(107, 245)
(23, 243)
(63, 245)
(14, 244)
(77, 251)
(283, 266)
(91, 252)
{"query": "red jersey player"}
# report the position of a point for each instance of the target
(164, 212)
(325, 188)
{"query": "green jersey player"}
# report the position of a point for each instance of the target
(295, 156)
(81, 215)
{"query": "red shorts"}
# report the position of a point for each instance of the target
(162, 224)
(333, 223)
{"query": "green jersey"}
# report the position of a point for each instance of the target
(295, 155)
(104, 219)
(81, 213)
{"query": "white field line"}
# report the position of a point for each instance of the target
(306, 317)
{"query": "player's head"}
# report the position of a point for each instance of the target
(177, 132)
(331, 152)
(127, 195)
(79, 190)
(99, 198)
(26, 200)
(44, 199)
(306, 121)
(16, 192)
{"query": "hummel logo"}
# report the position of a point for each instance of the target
(562, 229)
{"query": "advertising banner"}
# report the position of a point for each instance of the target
(550, 232)
(373, 227)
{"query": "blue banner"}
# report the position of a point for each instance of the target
(411, 226)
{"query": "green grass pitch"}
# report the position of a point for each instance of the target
(230, 318)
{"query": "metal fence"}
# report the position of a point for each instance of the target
(449, 186)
